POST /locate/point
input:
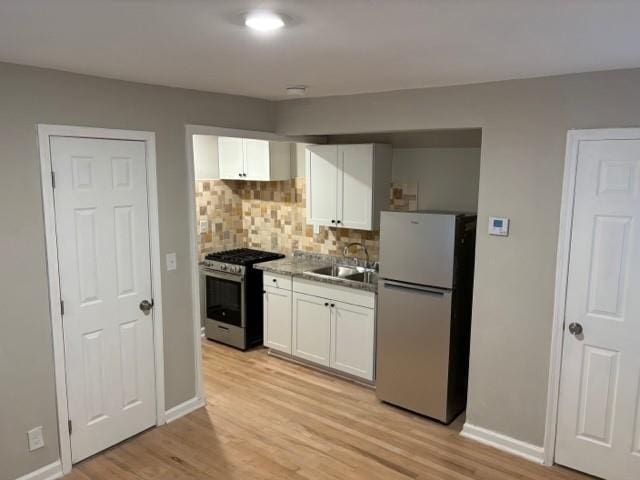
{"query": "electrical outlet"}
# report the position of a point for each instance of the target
(172, 262)
(204, 226)
(36, 440)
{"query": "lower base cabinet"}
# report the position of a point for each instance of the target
(330, 326)
(277, 319)
(334, 334)
(311, 328)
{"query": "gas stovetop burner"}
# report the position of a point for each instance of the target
(243, 256)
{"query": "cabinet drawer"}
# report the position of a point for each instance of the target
(277, 281)
(335, 292)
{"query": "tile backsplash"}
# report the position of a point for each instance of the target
(271, 216)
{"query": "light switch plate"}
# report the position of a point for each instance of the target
(36, 440)
(499, 226)
(172, 261)
(204, 226)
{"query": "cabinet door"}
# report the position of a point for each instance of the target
(277, 319)
(230, 158)
(311, 328)
(355, 186)
(322, 184)
(352, 339)
(256, 159)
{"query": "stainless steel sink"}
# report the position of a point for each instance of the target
(339, 271)
(345, 272)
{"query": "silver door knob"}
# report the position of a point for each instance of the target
(575, 328)
(146, 306)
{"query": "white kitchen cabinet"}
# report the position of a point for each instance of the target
(347, 185)
(277, 318)
(230, 157)
(352, 339)
(251, 159)
(322, 184)
(334, 326)
(311, 328)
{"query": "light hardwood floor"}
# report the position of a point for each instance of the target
(269, 419)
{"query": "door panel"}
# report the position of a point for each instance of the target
(256, 159)
(428, 241)
(103, 255)
(277, 319)
(322, 184)
(230, 158)
(352, 339)
(598, 407)
(355, 186)
(311, 328)
(414, 328)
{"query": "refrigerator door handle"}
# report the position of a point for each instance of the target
(418, 288)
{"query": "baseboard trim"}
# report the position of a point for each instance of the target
(184, 408)
(502, 442)
(48, 472)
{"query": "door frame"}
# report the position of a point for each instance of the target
(44, 133)
(574, 137)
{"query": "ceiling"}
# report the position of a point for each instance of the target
(334, 46)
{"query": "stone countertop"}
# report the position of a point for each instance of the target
(296, 266)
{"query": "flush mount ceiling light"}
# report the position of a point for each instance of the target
(263, 21)
(296, 90)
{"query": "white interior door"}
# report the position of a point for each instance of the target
(104, 262)
(599, 407)
(355, 186)
(322, 184)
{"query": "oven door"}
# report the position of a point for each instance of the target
(224, 297)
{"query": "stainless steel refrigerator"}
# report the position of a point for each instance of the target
(424, 311)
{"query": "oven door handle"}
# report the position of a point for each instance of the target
(225, 276)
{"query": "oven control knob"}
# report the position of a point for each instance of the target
(223, 267)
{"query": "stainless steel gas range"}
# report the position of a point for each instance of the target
(233, 296)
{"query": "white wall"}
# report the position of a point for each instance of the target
(447, 178)
(205, 157)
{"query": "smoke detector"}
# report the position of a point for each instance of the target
(296, 90)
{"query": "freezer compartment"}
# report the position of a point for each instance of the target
(418, 247)
(414, 325)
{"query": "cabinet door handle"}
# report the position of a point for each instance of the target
(338, 221)
(333, 305)
(326, 304)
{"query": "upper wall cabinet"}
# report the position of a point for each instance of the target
(348, 185)
(248, 159)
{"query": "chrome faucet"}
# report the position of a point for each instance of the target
(345, 252)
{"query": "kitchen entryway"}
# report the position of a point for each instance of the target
(102, 234)
(599, 403)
